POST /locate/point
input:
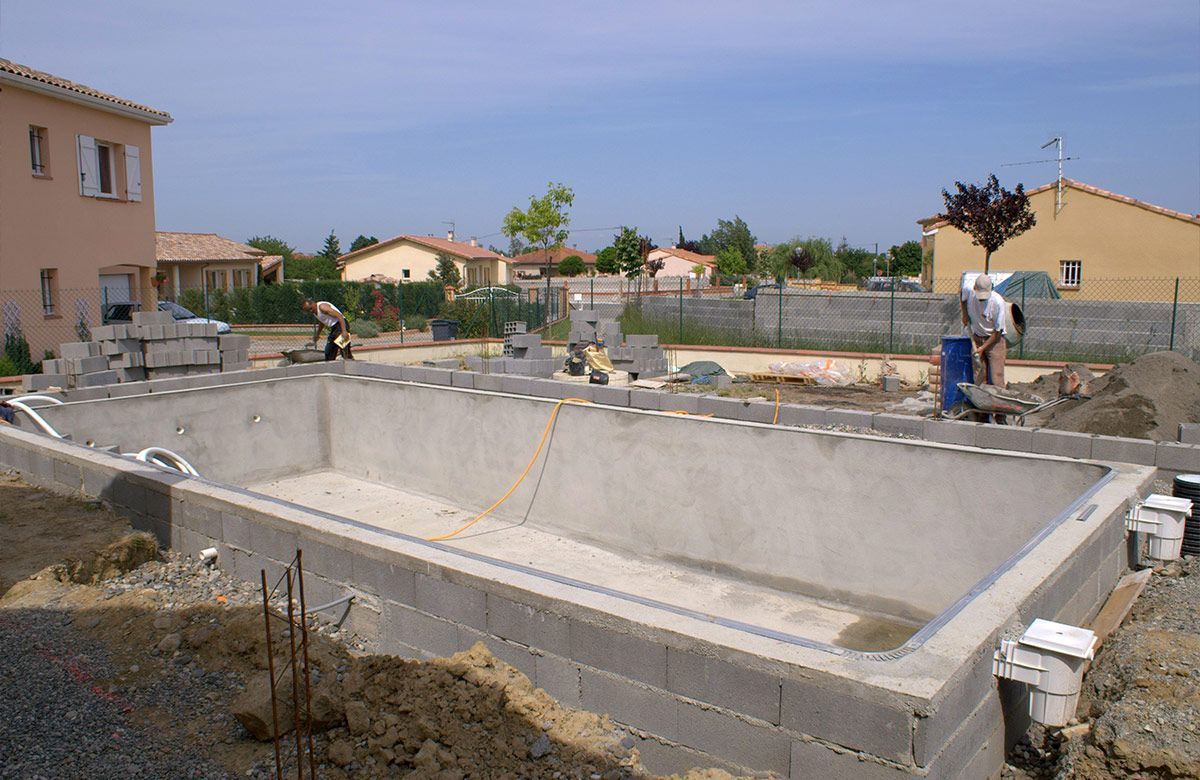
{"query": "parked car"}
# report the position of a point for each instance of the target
(752, 292)
(884, 284)
(123, 312)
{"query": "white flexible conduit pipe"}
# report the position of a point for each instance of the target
(164, 457)
(22, 406)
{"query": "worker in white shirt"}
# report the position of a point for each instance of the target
(983, 311)
(329, 316)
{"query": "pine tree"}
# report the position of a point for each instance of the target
(332, 249)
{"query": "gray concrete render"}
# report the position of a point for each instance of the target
(737, 594)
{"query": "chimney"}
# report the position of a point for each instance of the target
(450, 234)
(474, 241)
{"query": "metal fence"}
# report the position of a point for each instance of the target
(1106, 320)
(37, 323)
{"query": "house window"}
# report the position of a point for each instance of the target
(241, 278)
(104, 162)
(405, 273)
(38, 158)
(49, 290)
(1069, 273)
(216, 280)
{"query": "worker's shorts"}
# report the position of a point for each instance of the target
(990, 368)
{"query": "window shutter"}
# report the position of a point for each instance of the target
(89, 167)
(133, 173)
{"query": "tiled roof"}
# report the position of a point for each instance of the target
(28, 74)
(937, 220)
(452, 248)
(538, 257)
(201, 248)
(691, 257)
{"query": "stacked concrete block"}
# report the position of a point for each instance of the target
(234, 352)
(530, 357)
(641, 356)
(122, 348)
(178, 349)
(511, 329)
(583, 326)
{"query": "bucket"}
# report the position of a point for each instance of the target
(956, 367)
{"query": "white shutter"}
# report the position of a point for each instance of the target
(89, 166)
(133, 173)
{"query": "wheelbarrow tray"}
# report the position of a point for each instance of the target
(996, 400)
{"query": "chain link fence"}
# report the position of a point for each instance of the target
(1105, 320)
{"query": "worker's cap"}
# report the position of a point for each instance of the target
(983, 287)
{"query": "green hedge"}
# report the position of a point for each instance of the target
(280, 303)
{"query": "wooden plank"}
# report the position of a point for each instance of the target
(1119, 603)
(783, 379)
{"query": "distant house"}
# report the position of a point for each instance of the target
(206, 261)
(681, 262)
(410, 258)
(76, 203)
(533, 264)
(1095, 235)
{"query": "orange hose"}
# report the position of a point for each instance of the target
(775, 420)
(520, 479)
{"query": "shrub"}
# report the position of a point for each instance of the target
(193, 301)
(16, 350)
(365, 329)
(472, 318)
(416, 322)
(7, 368)
(572, 265)
(388, 324)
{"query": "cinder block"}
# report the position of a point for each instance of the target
(416, 629)
(950, 432)
(801, 414)
(1068, 444)
(621, 653)
(1174, 456)
(79, 349)
(233, 341)
(850, 417)
(641, 340)
(544, 388)
(725, 408)
(680, 402)
(645, 399)
(31, 382)
(573, 390)
(811, 758)
(1189, 433)
(527, 340)
(135, 374)
(628, 702)
(376, 370)
(1115, 448)
(754, 746)
(385, 579)
(103, 333)
(438, 376)
(1004, 437)
(153, 318)
(760, 411)
(462, 379)
(490, 382)
(452, 601)
(899, 423)
(86, 394)
(713, 681)
(558, 677)
(520, 623)
(97, 379)
(54, 366)
(517, 385)
(860, 724)
(87, 365)
(610, 396)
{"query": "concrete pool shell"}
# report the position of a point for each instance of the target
(742, 595)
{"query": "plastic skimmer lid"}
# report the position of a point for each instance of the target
(1169, 503)
(1060, 638)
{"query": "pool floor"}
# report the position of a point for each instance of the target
(715, 594)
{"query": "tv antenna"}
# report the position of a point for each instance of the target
(1056, 141)
(449, 222)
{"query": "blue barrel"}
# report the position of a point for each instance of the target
(956, 367)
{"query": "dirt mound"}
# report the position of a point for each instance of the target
(1145, 399)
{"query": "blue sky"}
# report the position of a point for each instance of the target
(831, 119)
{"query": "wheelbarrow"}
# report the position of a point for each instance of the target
(1015, 405)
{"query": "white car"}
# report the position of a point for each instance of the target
(187, 316)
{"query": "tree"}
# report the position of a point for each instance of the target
(572, 265)
(990, 214)
(730, 235)
(655, 265)
(446, 272)
(362, 242)
(906, 259)
(303, 266)
(606, 261)
(628, 245)
(731, 263)
(860, 262)
(544, 224)
(273, 246)
(332, 249)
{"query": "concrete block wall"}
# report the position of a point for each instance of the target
(688, 704)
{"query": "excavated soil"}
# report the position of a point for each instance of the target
(1145, 399)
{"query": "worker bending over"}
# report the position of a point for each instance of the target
(329, 316)
(983, 310)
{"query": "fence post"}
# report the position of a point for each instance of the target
(892, 320)
(1174, 313)
(400, 308)
(592, 304)
(1022, 352)
(492, 308)
(779, 326)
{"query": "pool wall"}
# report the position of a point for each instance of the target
(694, 693)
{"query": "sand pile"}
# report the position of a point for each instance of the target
(1145, 399)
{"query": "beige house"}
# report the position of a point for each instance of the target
(1095, 235)
(76, 203)
(532, 265)
(206, 261)
(409, 258)
(681, 262)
